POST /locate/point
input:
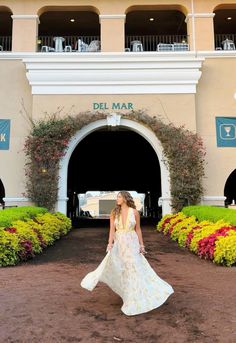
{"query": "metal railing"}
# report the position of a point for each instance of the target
(150, 42)
(5, 43)
(219, 38)
(69, 41)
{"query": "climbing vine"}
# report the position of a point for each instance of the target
(48, 141)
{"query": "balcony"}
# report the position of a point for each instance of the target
(68, 44)
(5, 43)
(225, 41)
(224, 27)
(156, 43)
(69, 30)
(156, 28)
(5, 29)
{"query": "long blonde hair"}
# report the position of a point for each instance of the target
(129, 201)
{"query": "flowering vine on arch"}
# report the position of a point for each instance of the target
(48, 141)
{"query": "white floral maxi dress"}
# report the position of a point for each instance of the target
(128, 273)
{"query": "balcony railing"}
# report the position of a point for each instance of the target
(219, 38)
(150, 42)
(5, 43)
(71, 41)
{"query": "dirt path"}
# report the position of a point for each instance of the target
(42, 300)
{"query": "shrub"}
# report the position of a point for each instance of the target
(9, 215)
(215, 241)
(26, 238)
(211, 213)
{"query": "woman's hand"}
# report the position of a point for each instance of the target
(142, 250)
(109, 247)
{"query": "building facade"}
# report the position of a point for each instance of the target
(176, 60)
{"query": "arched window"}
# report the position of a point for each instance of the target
(5, 29)
(230, 189)
(157, 28)
(2, 193)
(225, 27)
(69, 29)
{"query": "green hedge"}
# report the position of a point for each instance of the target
(26, 238)
(9, 215)
(211, 213)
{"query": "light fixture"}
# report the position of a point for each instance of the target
(151, 19)
(44, 170)
(229, 18)
(72, 20)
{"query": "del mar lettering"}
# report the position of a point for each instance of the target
(114, 106)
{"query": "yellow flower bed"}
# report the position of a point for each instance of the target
(214, 241)
(23, 239)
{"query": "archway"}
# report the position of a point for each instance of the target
(224, 26)
(127, 124)
(155, 25)
(2, 193)
(230, 188)
(5, 28)
(72, 23)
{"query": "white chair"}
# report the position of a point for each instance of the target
(59, 43)
(46, 48)
(181, 47)
(94, 46)
(1, 48)
(68, 48)
(81, 46)
(136, 45)
(228, 44)
(165, 47)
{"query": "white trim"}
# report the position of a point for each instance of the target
(130, 124)
(8, 55)
(217, 54)
(112, 16)
(16, 199)
(199, 15)
(26, 16)
(213, 198)
(113, 73)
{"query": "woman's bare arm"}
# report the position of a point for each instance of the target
(138, 228)
(112, 230)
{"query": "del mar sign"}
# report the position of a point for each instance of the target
(113, 106)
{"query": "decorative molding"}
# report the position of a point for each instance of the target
(16, 199)
(113, 73)
(214, 198)
(112, 16)
(199, 15)
(26, 16)
(217, 54)
(199, 54)
(113, 119)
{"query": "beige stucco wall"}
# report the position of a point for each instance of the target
(215, 97)
(14, 88)
(163, 105)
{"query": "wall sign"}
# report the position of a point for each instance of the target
(4, 134)
(226, 131)
(113, 106)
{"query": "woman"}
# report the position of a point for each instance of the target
(124, 268)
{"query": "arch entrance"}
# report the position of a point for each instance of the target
(125, 168)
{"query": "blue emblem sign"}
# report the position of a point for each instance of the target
(226, 131)
(4, 134)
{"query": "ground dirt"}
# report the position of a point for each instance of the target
(42, 301)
